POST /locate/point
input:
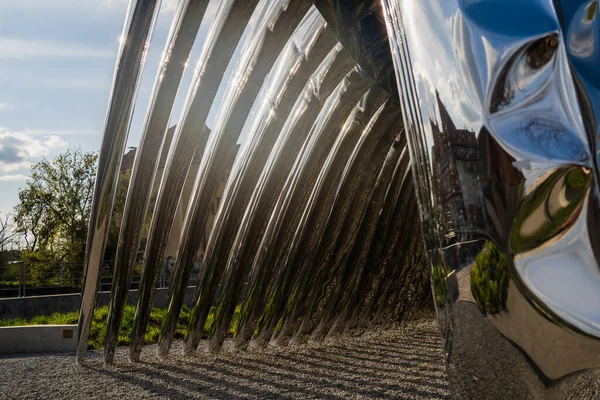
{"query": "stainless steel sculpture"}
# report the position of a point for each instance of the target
(500, 102)
(132, 54)
(477, 118)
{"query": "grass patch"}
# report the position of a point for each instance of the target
(54, 319)
(98, 329)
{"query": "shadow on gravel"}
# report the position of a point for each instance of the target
(402, 363)
(411, 369)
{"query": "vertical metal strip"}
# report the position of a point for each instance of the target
(177, 51)
(270, 31)
(135, 41)
(190, 137)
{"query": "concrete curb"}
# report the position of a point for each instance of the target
(37, 339)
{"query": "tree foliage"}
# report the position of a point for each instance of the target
(53, 214)
(54, 207)
(7, 233)
(489, 279)
(7, 238)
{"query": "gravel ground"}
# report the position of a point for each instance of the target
(404, 362)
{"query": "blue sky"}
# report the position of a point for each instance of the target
(56, 65)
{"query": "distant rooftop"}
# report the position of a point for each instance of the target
(129, 157)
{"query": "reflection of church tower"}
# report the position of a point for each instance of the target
(457, 167)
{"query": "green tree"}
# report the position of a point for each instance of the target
(53, 212)
(7, 239)
(489, 279)
(117, 215)
(53, 215)
(7, 233)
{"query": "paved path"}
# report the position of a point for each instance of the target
(401, 363)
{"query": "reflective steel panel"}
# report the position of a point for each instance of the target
(499, 105)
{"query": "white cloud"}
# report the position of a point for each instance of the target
(69, 5)
(12, 178)
(20, 49)
(54, 141)
(14, 166)
(18, 150)
(58, 132)
(6, 107)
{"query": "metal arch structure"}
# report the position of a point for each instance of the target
(476, 120)
(298, 236)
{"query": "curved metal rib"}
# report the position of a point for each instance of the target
(190, 137)
(278, 289)
(296, 127)
(407, 261)
(309, 213)
(361, 261)
(272, 28)
(179, 44)
(330, 281)
(297, 189)
(386, 250)
(340, 229)
(351, 204)
(140, 20)
(305, 51)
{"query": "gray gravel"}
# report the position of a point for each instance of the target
(404, 362)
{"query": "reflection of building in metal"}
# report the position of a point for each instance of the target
(457, 166)
(175, 237)
(526, 163)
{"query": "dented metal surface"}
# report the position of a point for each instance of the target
(500, 107)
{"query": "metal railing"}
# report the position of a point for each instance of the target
(19, 279)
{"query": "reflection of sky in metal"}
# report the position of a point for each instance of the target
(546, 274)
(500, 65)
(439, 23)
(460, 52)
(506, 60)
(57, 61)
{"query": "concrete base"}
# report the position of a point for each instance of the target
(37, 339)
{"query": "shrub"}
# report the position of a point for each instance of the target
(97, 334)
(489, 279)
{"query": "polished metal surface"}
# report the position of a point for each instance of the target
(190, 137)
(303, 53)
(270, 183)
(271, 27)
(295, 229)
(500, 104)
(139, 23)
(286, 217)
(476, 120)
(179, 44)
